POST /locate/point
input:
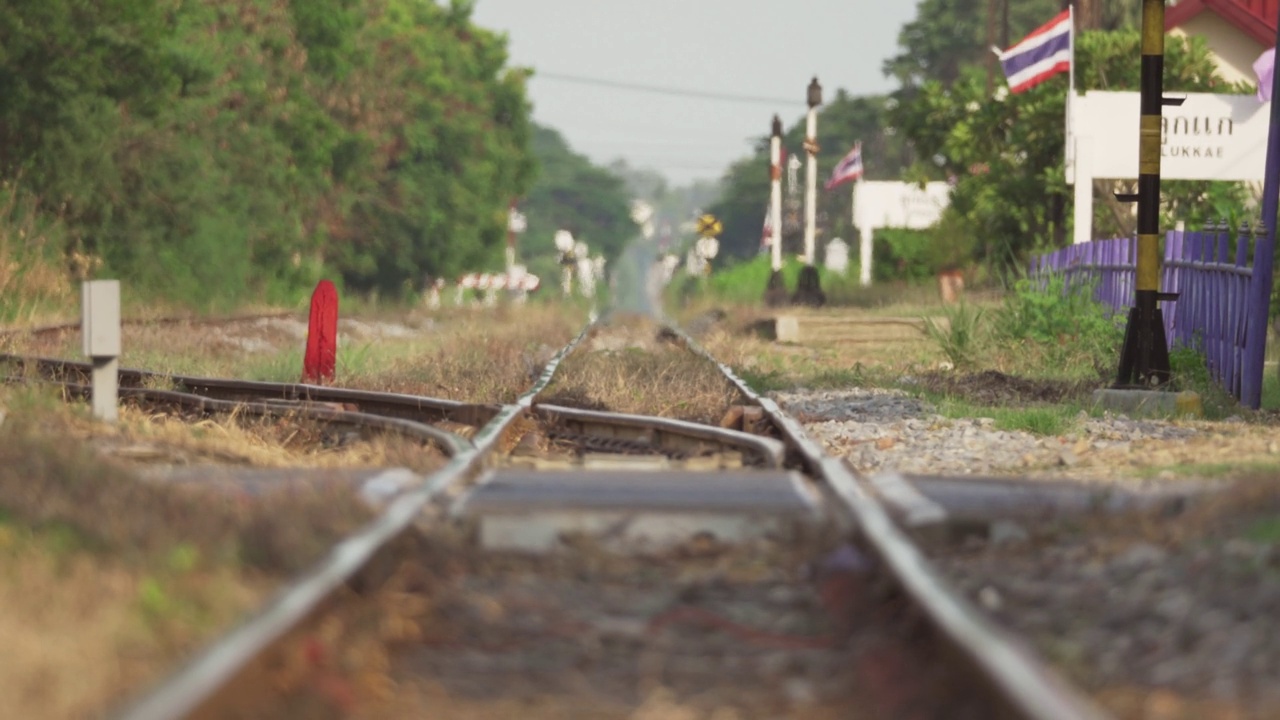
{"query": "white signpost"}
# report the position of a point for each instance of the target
(882, 204)
(836, 258)
(1208, 137)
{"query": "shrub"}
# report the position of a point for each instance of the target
(1048, 312)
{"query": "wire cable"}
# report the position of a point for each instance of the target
(657, 90)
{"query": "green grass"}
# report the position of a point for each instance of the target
(1043, 420)
(1212, 470)
(764, 381)
(1266, 530)
(1271, 389)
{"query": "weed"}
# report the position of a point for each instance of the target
(1046, 421)
(183, 557)
(962, 337)
(1265, 530)
(763, 381)
(837, 378)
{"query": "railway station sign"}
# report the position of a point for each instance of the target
(1208, 137)
(883, 204)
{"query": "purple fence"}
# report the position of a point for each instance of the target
(1211, 272)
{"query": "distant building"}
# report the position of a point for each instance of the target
(1236, 31)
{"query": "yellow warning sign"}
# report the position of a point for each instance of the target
(709, 226)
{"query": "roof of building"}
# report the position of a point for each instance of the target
(1255, 18)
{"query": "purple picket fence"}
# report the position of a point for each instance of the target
(1211, 275)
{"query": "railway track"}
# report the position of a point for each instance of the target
(570, 561)
(60, 329)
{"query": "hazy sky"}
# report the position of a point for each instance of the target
(758, 48)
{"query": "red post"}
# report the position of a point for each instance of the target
(322, 335)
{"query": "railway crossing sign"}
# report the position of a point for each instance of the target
(709, 226)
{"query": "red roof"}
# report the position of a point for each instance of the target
(1255, 18)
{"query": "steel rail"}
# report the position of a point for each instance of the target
(451, 444)
(1013, 672)
(769, 452)
(196, 683)
(411, 407)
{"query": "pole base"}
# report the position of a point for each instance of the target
(775, 293)
(1144, 357)
(809, 288)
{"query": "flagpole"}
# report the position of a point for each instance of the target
(1069, 144)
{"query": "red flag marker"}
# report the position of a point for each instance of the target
(322, 335)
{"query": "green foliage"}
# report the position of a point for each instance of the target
(1005, 152)
(1046, 421)
(1047, 312)
(1189, 369)
(744, 282)
(211, 152)
(948, 35)
(1264, 530)
(572, 194)
(961, 338)
(900, 254)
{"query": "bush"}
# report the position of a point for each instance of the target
(904, 255)
(1066, 321)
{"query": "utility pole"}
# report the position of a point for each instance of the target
(991, 41)
(775, 292)
(809, 286)
(1263, 257)
(1144, 358)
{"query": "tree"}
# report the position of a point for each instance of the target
(571, 193)
(1005, 154)
(948, 35)
(207, 151)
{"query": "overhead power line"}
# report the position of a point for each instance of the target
(674, 92)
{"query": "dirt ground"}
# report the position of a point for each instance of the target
(994, 388)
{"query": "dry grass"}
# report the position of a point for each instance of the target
(31, 282)
(625, 367)
(491, 358)
(81, 628)
(113, 579)
(768, 365)
(489, 355)
(251, 441)
(110, 580)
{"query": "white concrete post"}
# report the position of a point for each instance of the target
(864, 255)
(1083, 211)
(811, 184)
(775, 194)
(100, 329)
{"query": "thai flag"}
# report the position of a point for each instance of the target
(850, 168)
(1040, 55)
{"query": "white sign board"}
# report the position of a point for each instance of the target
(1208, 137)
(881, 204)
(837, 256)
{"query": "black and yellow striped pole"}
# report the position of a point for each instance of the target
(1144, 358)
